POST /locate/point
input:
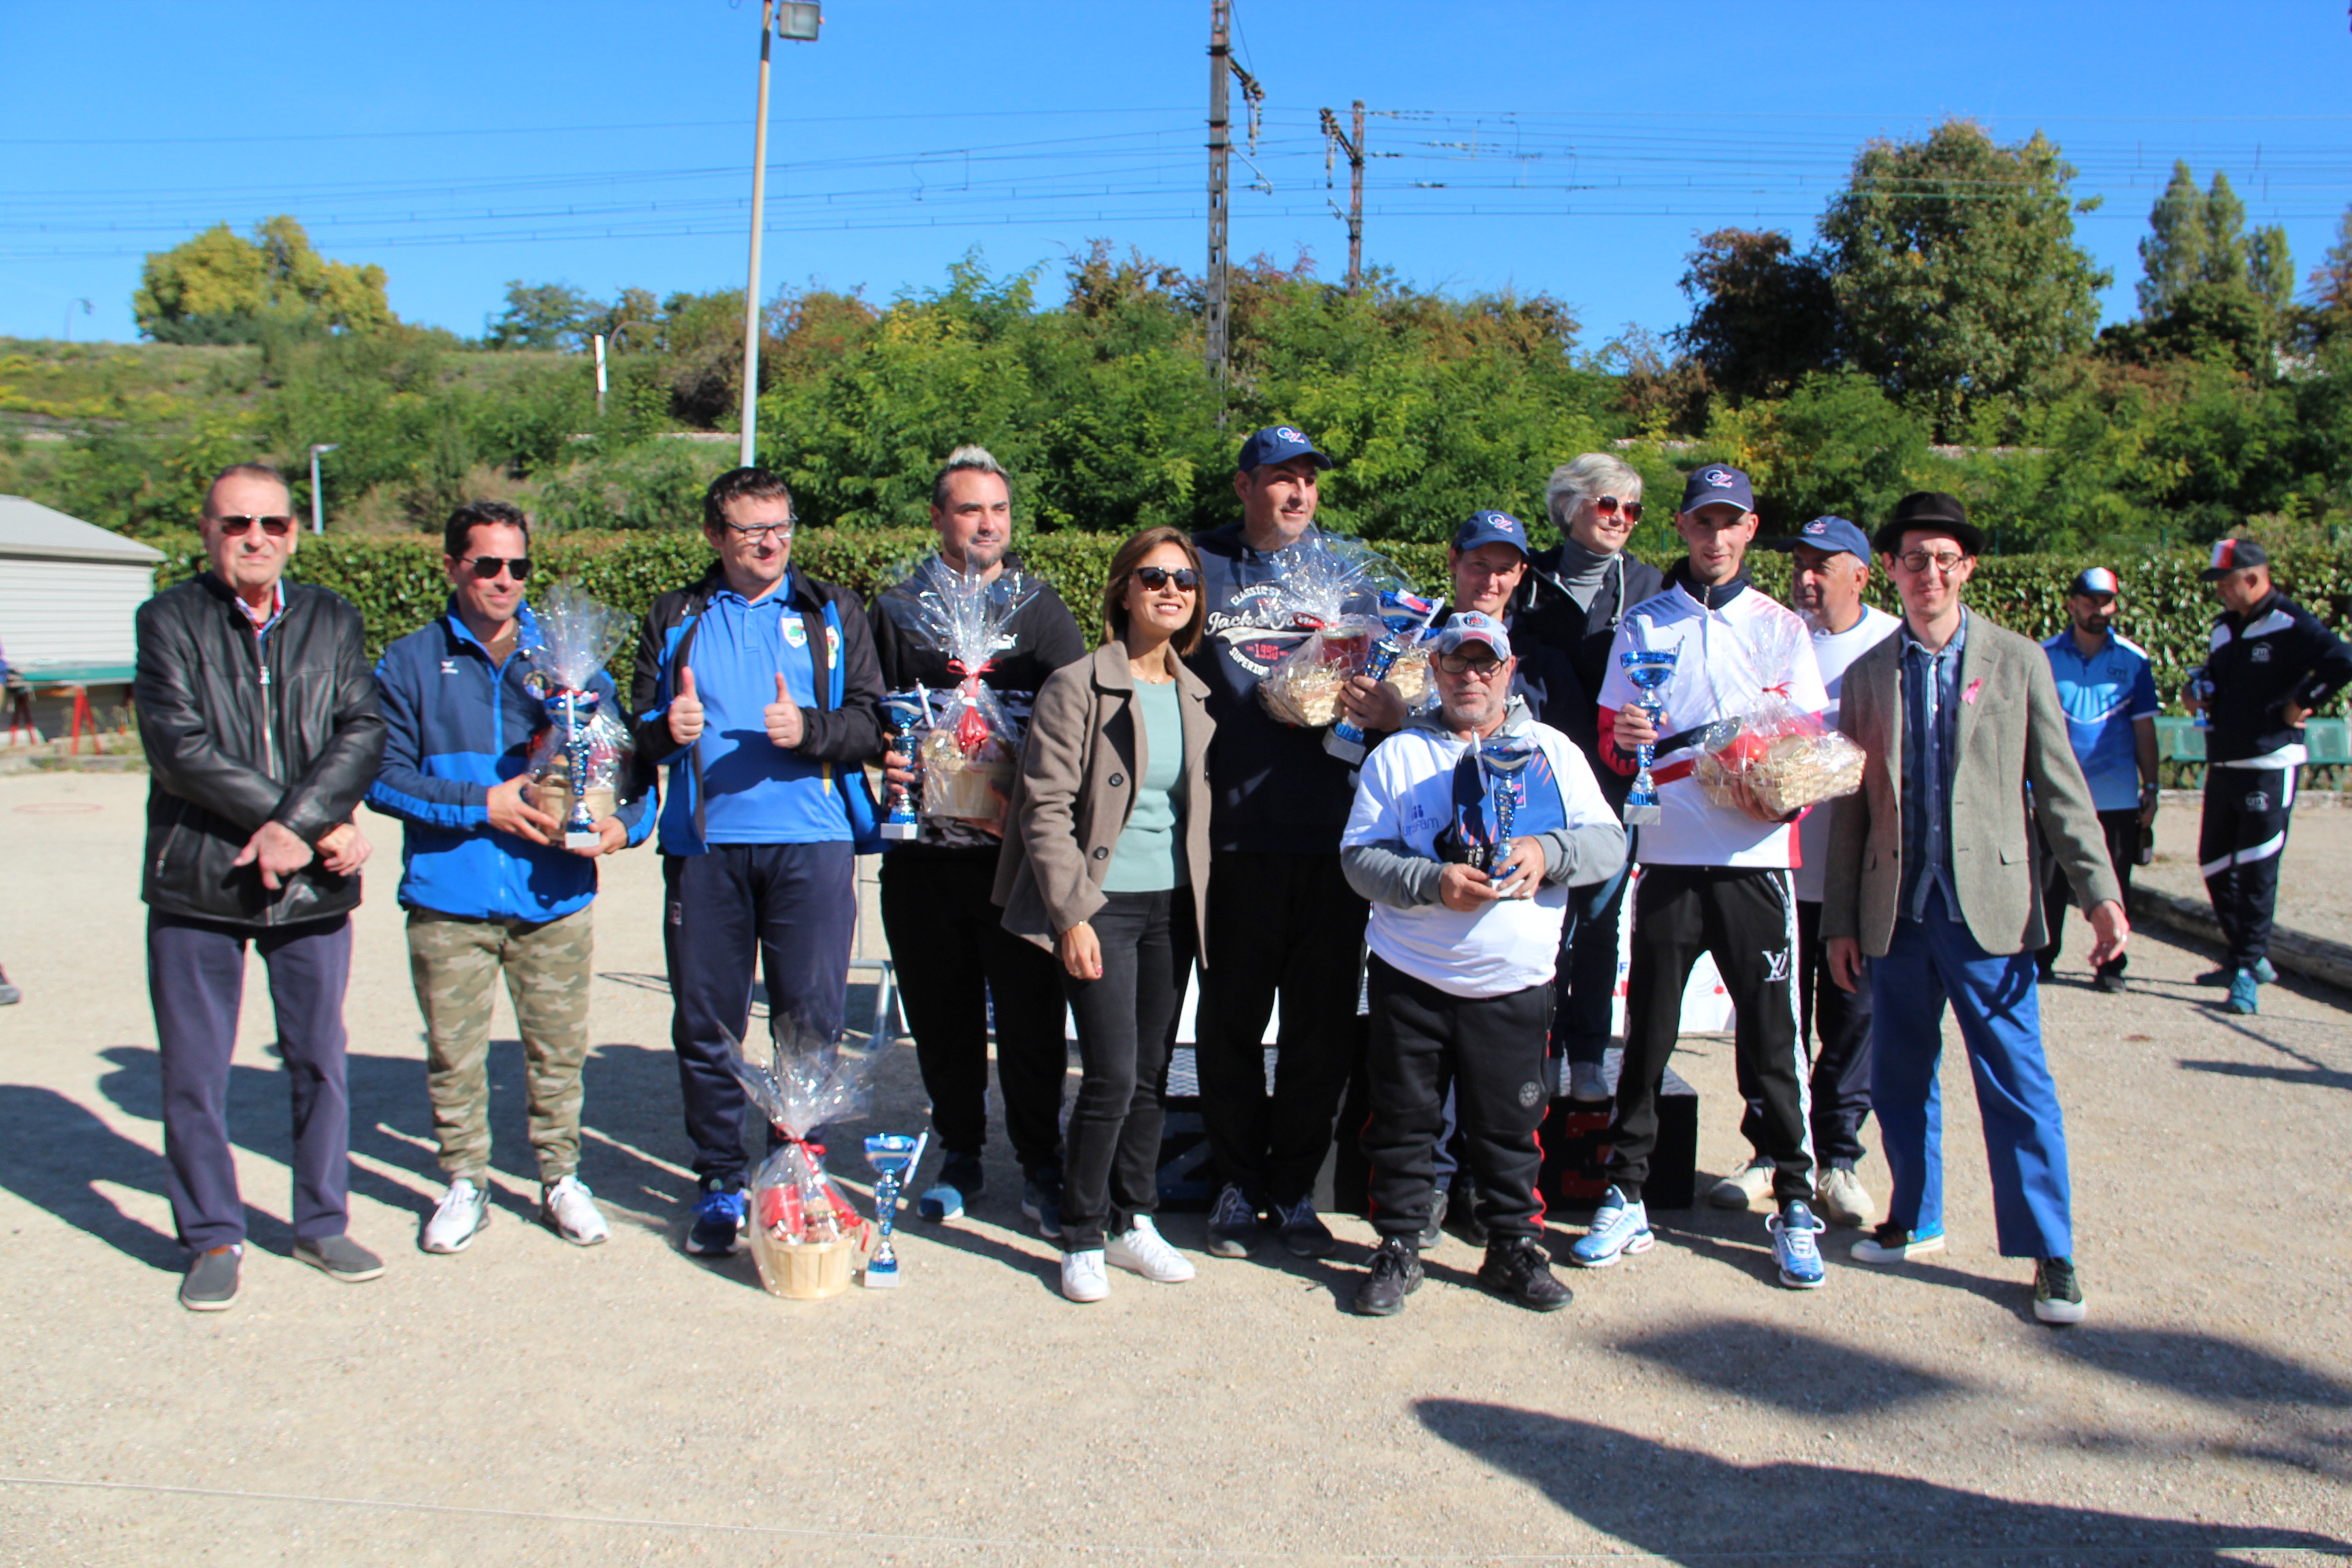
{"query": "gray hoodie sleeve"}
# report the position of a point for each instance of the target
(1581, 855)
(1390, 874)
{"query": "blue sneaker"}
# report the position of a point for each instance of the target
(959, 1182)
(718, 1219)
(2243, 986)
(1618, 1227)
(1041, 1201)
(1795, 1247)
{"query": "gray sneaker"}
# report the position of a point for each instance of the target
(340, 1256)
(1232, 1223)
(211, 1284)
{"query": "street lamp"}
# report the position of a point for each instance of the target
(797, 21)
(318, 497)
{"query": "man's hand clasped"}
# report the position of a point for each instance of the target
(1465, 889)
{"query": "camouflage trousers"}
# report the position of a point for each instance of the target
(456, 964)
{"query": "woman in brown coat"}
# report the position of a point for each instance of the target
(1107, 866)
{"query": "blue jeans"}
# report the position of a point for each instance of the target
(1928, 963)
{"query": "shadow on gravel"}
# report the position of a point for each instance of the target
(1810, 1375)
(57, 1150)
(2217, 1371)
(2310, 1071)
(1688, 1507)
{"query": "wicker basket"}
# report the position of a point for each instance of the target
(802, 1271)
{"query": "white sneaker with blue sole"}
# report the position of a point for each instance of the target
(1796, 1247)
(1618, 1228)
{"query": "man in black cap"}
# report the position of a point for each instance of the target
(2272, 665)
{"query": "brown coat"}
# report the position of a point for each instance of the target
(2012, 733)
(1077, 787)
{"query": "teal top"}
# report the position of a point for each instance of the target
(1150, 854)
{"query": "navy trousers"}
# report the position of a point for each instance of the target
(785, 910)
(195, 980)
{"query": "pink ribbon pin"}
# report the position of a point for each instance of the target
(1970, 696)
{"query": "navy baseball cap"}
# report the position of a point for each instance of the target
(2095, 580)
(1277, 444)
(1473, 625)
(2230, 555)
(1492, 528)
(1831, 535)
(1717, 482)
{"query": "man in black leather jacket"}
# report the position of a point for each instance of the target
(258, 716)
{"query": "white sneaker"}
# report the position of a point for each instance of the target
(1745, 1189)
(1142, 1251)
(1083, 1279)
(1844, 1200)
(1588, 1082)
(463, 1211)
(569, 1209)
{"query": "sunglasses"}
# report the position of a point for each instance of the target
(1483, 666)
(1184, 577)
(1609, 506)
(488, 566)
(276, 527)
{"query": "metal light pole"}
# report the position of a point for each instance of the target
(1220, 148)
(318, 495)
(798, 22)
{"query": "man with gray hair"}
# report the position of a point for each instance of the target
(1575, 596)
(954, 953)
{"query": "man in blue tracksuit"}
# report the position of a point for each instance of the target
(487, 883)
(758, 687)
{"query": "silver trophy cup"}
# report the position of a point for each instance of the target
(1648, 668)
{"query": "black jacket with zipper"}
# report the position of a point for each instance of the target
(1549, 615)
(243, 730)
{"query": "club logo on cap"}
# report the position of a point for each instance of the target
(1720, 477)
(1818, 525)
(1286, 433)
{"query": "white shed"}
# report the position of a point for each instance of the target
(69, 591)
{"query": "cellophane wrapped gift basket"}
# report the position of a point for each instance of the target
(576, 762)
(972, 745)
(806, 1234)
(1332, 590)
(1787, 757)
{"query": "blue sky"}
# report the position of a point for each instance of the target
(1569, 148)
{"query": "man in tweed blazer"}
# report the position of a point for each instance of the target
(1932, 873)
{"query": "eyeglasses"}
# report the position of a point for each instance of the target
(1609, 506)
(488, 566)
(276, 527)
(752, 533)
(1184, 577)
(1484, 666)
(1945, 561)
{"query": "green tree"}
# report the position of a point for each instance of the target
(2211, 290)
(1955, 266)
(541, 316)
(219, 288)
(1762, 317)
(2172, 256)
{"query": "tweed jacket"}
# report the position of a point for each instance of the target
(2012, 733)
(1079, 768)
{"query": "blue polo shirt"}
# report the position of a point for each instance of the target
(2103, 695)
(754, 792)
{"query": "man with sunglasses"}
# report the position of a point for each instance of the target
(758, 689)
(485, 879)
(1468, 828)
(955, 957)
(1933, 877)
(262, 733)
(1715, 878)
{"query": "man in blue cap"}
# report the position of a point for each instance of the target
(1282, 917)
(2108, 689)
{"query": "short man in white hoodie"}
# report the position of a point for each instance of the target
(1469, 827)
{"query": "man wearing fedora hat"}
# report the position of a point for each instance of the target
(1932, 877)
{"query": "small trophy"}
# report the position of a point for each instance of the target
(1405, 617)
(2201, 686)
(904, 713)
(1502, 764)
(894, 1157)
(1648, 668)
(578, 719)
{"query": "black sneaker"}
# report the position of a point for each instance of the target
(1041, 1200)
(1302, 1230)
(340, 1257)
(1433, 1231)
(1462, 1218)
(2057, 1292)
(1395, 1274)
(1232, 1223)
(1516, 1267)
(2109, 981)
(211, 1284)
(2045, 973)
(959, 1181)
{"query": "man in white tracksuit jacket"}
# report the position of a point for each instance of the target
(1469, 827)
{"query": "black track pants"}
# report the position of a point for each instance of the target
(1490, 1051)
(1747, 919)
(2238, 848)
(2122, 830)
(1838, 1023)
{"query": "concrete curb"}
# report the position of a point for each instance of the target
(2313, 957)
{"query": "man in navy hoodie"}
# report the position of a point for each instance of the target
(758, 690)
(488, 885)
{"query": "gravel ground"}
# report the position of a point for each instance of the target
(528, 1402)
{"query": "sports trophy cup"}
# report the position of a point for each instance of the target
(1502, 759)
(576, 711)
(894, 1157)
(904, 713)
(1648, 668)
(1405, 617)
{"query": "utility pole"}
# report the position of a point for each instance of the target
(600, 376)
(1354, 148)
(318, 492)
(1220, 151)
(798, 22)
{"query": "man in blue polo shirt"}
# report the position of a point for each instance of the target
(2108, 690)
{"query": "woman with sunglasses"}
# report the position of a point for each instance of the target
(1107, 865)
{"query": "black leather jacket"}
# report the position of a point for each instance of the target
(242, 730)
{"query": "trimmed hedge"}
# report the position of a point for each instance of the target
(398, 585)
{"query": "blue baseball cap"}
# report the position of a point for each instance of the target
(1831, 534)
(1492, 528)
(1277, 444)
(1717, 482)
(2095, 580)
(1473, 625)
